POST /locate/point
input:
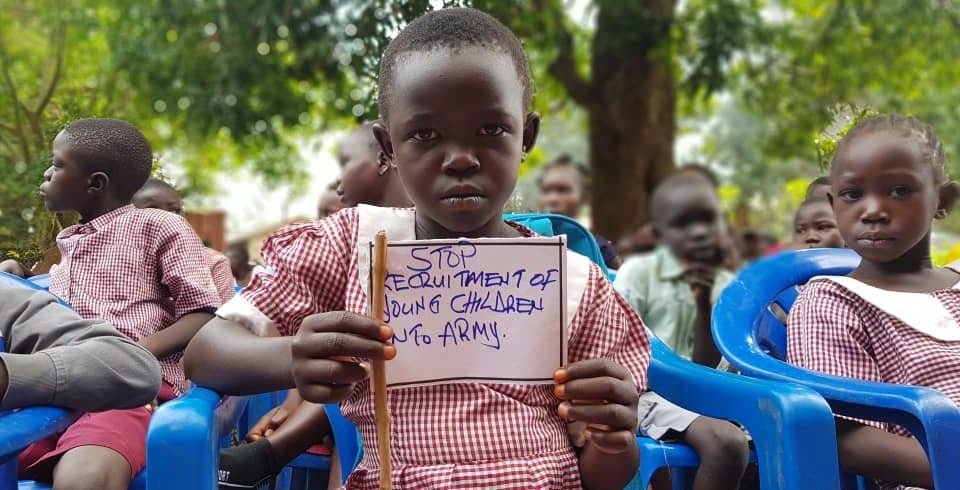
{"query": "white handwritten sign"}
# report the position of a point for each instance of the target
(487, 310)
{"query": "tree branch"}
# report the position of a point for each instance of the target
(564, 69)
(59, 39)
(17, 104)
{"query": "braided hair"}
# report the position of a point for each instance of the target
(931, 148)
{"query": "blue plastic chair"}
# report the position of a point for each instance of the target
(19, 429)
(42, 280)
(752, 338)
(792, 426)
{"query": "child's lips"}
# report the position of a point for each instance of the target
(874, 241)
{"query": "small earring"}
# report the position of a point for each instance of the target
(940, 214)
(523, 156)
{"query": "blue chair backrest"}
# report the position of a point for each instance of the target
(756, 289)
(579, 239)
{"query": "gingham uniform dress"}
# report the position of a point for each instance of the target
(465, 435)
(221, 273)
(138, 269)
(833, 330)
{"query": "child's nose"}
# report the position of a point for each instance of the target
(460, 161)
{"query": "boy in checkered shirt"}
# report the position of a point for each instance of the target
(894, 319)
(455, 100)
(142, 270)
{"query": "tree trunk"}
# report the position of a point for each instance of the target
(632, 111)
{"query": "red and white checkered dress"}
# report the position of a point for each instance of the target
(835, 331)
(221, 272)
(448, 436)
(138, 269)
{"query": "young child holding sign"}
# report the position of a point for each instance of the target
(455, 97)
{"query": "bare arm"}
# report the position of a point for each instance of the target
(175, 338)
(705, 352)
(701, 279)
(602, 470)
(879, 454)
(228, 358)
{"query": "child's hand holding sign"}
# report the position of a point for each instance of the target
(600, 400)
(323, 364)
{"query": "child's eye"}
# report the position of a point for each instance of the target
(824, 227)
(425, 135)
(850, 195)
(492, 130)
(798, 230)
(900, 192)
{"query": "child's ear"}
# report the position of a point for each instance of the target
(382, 135)
(948, 198)
(97, 183)
(531, 129)
(384, 163)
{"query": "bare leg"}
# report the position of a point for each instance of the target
(723, 450)
(92, 468)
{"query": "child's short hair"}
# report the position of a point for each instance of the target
(930, 146)
(566, 161)
(813, 200)
(453, 28)
(114, 147)
(700, 169)
(153, 183)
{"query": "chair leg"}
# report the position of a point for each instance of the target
(8, 475)
(682, 478)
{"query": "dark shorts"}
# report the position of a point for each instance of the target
(124, 431)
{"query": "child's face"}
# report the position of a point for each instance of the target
(560, 191)
(66, 182)
(456, 130)
(158, 198)
(359, 183)
(689, 223)
(884, 195)
(329, 204)
(815, 227)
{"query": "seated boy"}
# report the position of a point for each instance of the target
(674, 288)
(142, 270)
(158, 194)
(54, 357)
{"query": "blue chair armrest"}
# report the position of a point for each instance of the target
(792, 426)
(183, 442)
(927, 414)
(19, 429)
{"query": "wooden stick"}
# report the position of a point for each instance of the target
(379, 367)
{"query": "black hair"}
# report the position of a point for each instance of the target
(241, 249)
(931, 148)
(677, 181)
(453, 28)
(821, 180)
(154, 183)
(566, 161)
(113, 147)
(702, 170)
(813, 200)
